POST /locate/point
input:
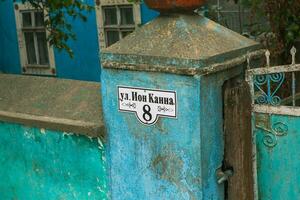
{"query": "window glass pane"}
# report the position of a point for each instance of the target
(112, 37)
(39, 18)
(30, 49)
(110, 16)
(125, 33)
(26, 18)
(42, 48)
(126, 15)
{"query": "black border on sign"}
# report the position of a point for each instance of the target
(158, 115)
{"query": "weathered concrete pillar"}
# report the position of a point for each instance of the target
(163, 107)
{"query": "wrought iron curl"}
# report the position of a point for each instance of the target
(266, 83)
(275, 100)
(261, 99)
(260, 79)
(277, 77)
(268, 96)
(270, 140)
(278, 129)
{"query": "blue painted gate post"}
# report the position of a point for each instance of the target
(162, 103)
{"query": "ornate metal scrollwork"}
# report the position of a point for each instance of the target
(269, 96)
(270, 138)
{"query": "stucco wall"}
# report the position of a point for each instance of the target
(86, 63)
(164, 159)
(43, 164)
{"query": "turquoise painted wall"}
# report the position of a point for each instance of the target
(212, 128)
(158, 162)
(43, 164)
(85, 65)
(277, 157)
(176, 158)
(212, 146)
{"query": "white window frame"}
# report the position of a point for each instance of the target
(100, 16)
(49, 70)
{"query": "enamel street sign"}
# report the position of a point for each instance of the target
(147, 104)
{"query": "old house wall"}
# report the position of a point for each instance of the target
(9, 57)
(84, 66)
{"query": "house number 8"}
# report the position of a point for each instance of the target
(147, 115)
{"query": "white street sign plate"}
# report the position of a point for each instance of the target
(147, 104)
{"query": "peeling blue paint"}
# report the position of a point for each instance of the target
(174, 159)
(43, 164)
(154, 162)
(278, 166)
(212, 148)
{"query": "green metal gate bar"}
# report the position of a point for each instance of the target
(275, 129)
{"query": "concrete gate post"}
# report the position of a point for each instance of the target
(162, 103)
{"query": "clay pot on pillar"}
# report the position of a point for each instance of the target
(164, 6)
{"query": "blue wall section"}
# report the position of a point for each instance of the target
(212, 129)
(9, 56)
(156, 162)
(42, 164)
(86, 63)
(212, 140)
(147, 14)
(277, 158)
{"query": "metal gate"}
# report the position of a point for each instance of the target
(276, 130)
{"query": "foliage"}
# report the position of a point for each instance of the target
(283, 18)
(57, 19)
